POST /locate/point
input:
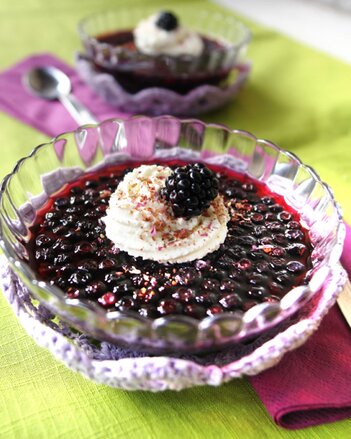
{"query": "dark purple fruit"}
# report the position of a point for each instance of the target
(265, 254)
(167, 21)
(190, 190)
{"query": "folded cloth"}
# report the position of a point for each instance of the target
(311, 385)
(50, 117)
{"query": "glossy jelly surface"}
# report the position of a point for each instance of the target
(265, 254)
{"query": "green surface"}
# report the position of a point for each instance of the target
(296, 97)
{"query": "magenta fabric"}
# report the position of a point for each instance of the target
(311, 385)
(346, 255)
(49, 117)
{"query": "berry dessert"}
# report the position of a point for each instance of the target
(170, 239)
(161, 52)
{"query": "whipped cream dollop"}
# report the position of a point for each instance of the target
(140, 222)
(151, 39)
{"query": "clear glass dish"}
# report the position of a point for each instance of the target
(122, 62)
(91, 147)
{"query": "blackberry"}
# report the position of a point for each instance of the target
(190, 190)
(167, 21)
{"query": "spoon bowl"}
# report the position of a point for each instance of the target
(48, 82)
(51, 83)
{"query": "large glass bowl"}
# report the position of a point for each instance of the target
(91, 147)
(129, 66)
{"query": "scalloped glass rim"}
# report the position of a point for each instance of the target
(219, 25)
(281, 170)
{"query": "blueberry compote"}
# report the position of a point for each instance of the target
(136, 77)
(265, 254)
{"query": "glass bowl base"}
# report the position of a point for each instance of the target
(157, 101)
(117, 367)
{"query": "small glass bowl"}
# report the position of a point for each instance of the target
(135, 71)
(92, 147)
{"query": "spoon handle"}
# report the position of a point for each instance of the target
(77, 110)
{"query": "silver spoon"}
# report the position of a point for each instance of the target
(51, 83)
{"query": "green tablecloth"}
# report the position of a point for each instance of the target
(296, 97)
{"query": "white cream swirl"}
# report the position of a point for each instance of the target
(141, 223)
(152, 40)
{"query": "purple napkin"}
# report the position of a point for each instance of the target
(311, 385)
(49, 117)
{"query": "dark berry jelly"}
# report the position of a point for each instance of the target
(136, 75)
(265, 254)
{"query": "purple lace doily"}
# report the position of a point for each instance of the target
(157, 101)
(116, 367)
